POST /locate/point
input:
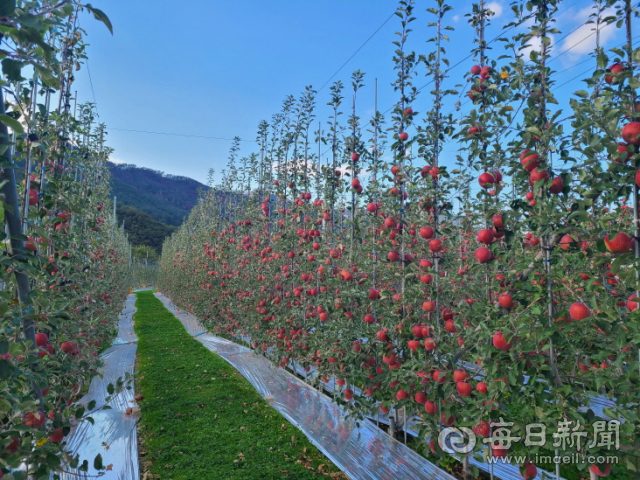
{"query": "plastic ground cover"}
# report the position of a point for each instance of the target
(113, 433)
(362, 452)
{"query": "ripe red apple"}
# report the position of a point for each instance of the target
(476, 69)
(566, 242)
(481, 387)
(482, 429)
(483, 255)
(459, 375)
(631, 133)
(430, 344)
(556, 186)
(435, 245)
(486, 180)
(404, 136)
(500, 342)
(355, 156)
(486, 236)
(430, 407)
(420, 397)
(408, 111)
(579, 311)
(426, 232)
(621, 243)
(464, 389)
(528, 471)
(614, 70)
(506, 300)
(536, 175)
(631, 303)
(413, 344)
(34, 419)
(601, 470)
(57, 436)
(41, 339)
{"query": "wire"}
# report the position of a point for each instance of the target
(176, 134)
(355, 53)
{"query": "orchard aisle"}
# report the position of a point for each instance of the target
(362, 452)
(113, 433)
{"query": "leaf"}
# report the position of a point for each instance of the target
(97, 462)
(46, 76)
(100, 15)
(581, 94)
(7, 7)
(110, 389)
(6, 369)
(11, 69)
(12, 123)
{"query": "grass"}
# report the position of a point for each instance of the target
(202, 420)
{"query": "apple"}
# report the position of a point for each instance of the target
(57, 436)
(632, 304)
(566, 242)
(614, 69)
(556, 186)
(426, 232)
(404, 136)
(430, 407)
(482, 429)
(475, 130)
(408, 111)
(420, 397)
(430, 344)
(486, 236)
(34, 419)
(638, 178)
(601, 470)
(631, 133)
(459, 375)
(500, 342)
(464, 389)
(529, 160)
(481, 387)
(390, 222)
(506, 300)
(486, 180)
(621, 243)
(528, 470)
(435, 245)
(536, 175)
(413, 344)
(41, 339)
(355, 156)
(476, 69)
(579, 311)
(483, 255)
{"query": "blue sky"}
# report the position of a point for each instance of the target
(217, 68)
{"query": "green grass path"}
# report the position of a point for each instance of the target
(201, 419)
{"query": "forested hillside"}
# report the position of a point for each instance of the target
(167, 198)
(142, 228)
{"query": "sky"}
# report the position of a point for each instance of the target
(202, 72)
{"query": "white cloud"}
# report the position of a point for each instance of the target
(116, 160)
(496, 8)
(583, 40)
(456, 18)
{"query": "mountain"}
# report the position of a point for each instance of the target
(167, 198)
(142, 228)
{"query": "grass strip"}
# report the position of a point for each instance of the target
(201, 419)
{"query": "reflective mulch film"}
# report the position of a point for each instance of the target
(361, 451)
(113, 433)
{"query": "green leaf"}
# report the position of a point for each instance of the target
(7, 7)
(11, 69)
(97, 462)
(110, 389)
(617, 263)
(46, 76)
(6, 369)
(100, 15)
(12, 123)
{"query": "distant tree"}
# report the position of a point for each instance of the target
(143, 252)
